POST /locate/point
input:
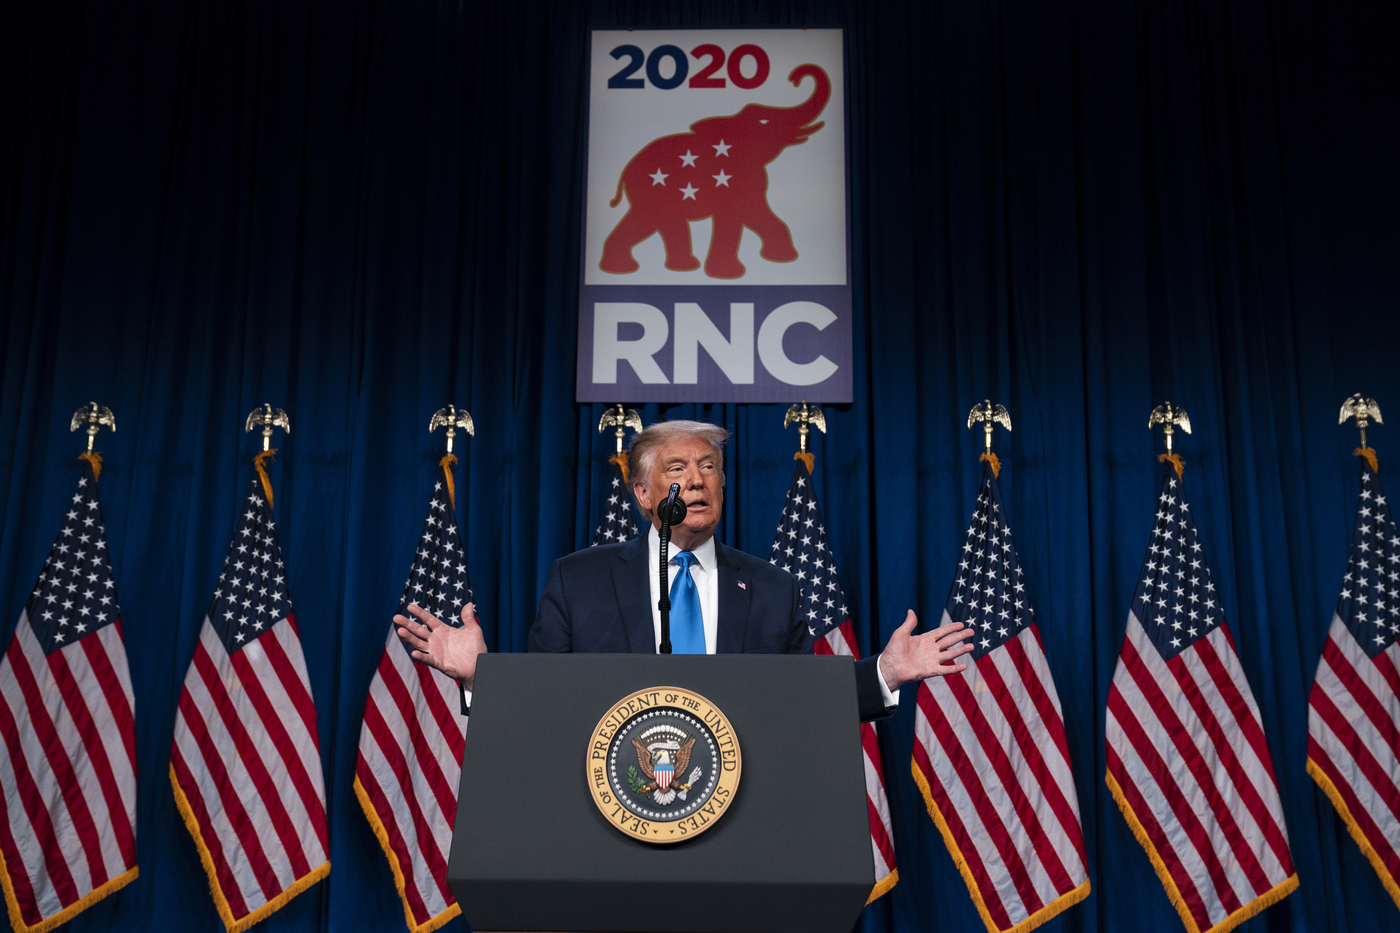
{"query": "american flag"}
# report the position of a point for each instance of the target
(1353, 712)
(245, 764)
(618, 524)
(990, 753)
(1187, 759)
(800, 548)
(411, 741)
(68, 763)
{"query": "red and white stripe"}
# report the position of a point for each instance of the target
(841, 641)
(246, 766)
(1354, 745)
(68, 764)
(406, 778)
(1190, 768)
(991, 757)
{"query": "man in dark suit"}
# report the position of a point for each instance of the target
(604, 599)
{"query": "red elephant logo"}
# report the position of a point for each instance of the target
(717, 170)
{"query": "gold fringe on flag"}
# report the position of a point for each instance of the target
(207, 859)
(95, 460)
(996, 464)
(67, 913)
(1343, 811)
(1176, 462)
(260, 464)
(447, 463)
(807, 458)
(883, 887)
(621, 461)
(1369, 455)
(1058, 905)
(1140, 834)
(1270, 897)
(400, 882)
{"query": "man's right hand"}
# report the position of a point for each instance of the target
(435, 643)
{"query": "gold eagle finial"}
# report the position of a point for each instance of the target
(94, 416)
(1364, 410)
(620, 418)
(269, 418)
(805, 415)
(452, 418)
(1170, 418)
(990, 415)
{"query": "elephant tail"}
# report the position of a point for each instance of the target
(618, 198)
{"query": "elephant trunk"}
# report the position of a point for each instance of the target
(803, 114)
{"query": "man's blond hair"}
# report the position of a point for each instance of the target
(641, 453)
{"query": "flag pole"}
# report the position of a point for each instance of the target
(269, 418)
(451, 418)
(94, 416)
(1364, 410)
(620, 419)
(1170, 417)
(990, 416)
(805, 415)
(615, 522)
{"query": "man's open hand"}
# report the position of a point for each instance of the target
(908, 657)
(451, 650)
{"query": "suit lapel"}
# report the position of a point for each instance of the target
(633, 590)
(733, 602)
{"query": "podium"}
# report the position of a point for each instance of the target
(791, 853)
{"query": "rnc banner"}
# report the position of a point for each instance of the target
(716, 260)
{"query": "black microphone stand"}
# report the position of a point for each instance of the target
(671, 507)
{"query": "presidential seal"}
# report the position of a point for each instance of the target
(663, 764)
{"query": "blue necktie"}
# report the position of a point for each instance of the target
(687, 625)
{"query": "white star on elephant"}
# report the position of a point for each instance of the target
(658, 178)
(688, 192)
(722, 149)
(721, 179)
(688, 159)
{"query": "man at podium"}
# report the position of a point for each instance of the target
(723, 601)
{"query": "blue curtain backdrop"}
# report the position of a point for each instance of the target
(361, 210)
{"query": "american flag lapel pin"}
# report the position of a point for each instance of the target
(743, 585)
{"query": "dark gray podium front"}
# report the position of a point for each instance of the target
(532, 852)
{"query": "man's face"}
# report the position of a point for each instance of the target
(695, 465)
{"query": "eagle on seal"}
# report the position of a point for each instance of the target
(672, 760)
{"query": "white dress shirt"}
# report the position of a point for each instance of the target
(704, 571)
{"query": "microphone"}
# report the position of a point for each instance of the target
(670, 510)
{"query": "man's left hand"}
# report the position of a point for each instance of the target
(909, 657)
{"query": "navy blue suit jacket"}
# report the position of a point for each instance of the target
(599, 600)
